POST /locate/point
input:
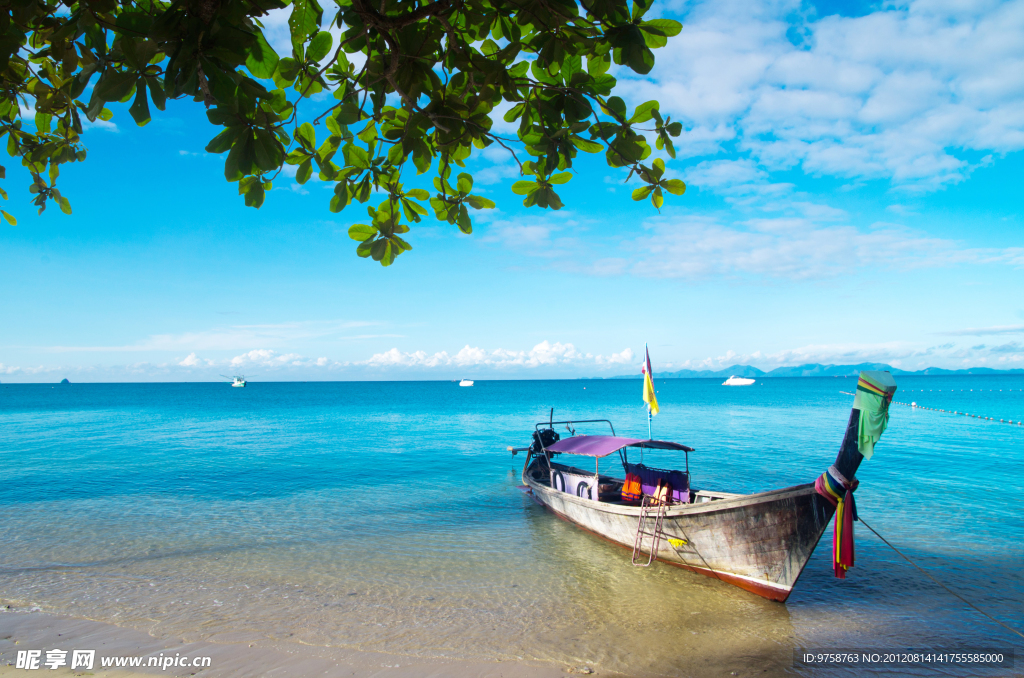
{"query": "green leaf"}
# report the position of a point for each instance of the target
(379, 249)
(42, 121)
(333, 126)
(418, 194)
(253, 191)
(319, 46)
(479, 203)
(616, 107)
(644, 112)
(347, 114)
(304, 22)
(598, 64)
(269, 153)
(362, 232)
(306, 136)
(114, 85)
(304, 172)
(341, 198)
(662, 27)
(365, 249)
(586, 145)
(562, 178)
(157, 93)
(286, 72)
(356, 156)
(524, 187)
(262, 60)
(65, 206)
(401, 243)
(140, 109)
(10, 219)
(223, 141)
(657, 199)
(640, 8)
(465, 183)
(659, 167)
(519, 70)
(642, 192)
(239, 161)
(554, 202)
(464, 222)
(514, 113)
(674, 186)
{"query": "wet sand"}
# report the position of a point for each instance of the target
(40, 631)
(241, 657)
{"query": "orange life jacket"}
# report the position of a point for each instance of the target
(631, 490)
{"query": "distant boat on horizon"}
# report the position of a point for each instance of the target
(236, 381)
(737, 381)
(466, 382)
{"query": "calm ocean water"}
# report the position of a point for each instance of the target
(384, 516)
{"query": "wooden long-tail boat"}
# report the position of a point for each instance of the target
(758, 542)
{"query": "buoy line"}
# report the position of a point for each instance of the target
(964, 414)
(960, 390)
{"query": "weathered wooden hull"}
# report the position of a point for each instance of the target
(758, 542)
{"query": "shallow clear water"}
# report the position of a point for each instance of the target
(384, 516)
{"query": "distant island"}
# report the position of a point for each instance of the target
(811, 370)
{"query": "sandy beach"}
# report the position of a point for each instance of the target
(37, 630)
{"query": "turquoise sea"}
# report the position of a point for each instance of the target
(384, 516)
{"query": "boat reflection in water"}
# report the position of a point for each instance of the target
(659, 621)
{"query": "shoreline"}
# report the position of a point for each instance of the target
(36, 630)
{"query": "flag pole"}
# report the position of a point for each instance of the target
(650, 436)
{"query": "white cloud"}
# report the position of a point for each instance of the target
(734, 178)
(192, 361)
(544, 359)
(545, 235)
(495, 174)
(105, 125)
(544, 354)
(265, 357)
(235, 337)
(794, 248)
(985, 331)
(901, 94)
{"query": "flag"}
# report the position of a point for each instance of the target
(649, 397)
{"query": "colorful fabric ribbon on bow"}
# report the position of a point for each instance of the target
(874, 393)
(838, 491)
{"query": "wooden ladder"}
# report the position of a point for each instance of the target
(648, 512)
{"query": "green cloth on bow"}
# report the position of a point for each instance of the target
(874, 392)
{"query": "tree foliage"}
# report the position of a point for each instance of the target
(411, 86)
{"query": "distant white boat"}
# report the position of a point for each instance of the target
(236, 382)
(737, 381)
(466, 382)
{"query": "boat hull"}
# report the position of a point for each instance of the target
(759, 542)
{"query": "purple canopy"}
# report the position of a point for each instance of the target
(602, 446)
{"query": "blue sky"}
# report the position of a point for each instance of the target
(853, 176)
